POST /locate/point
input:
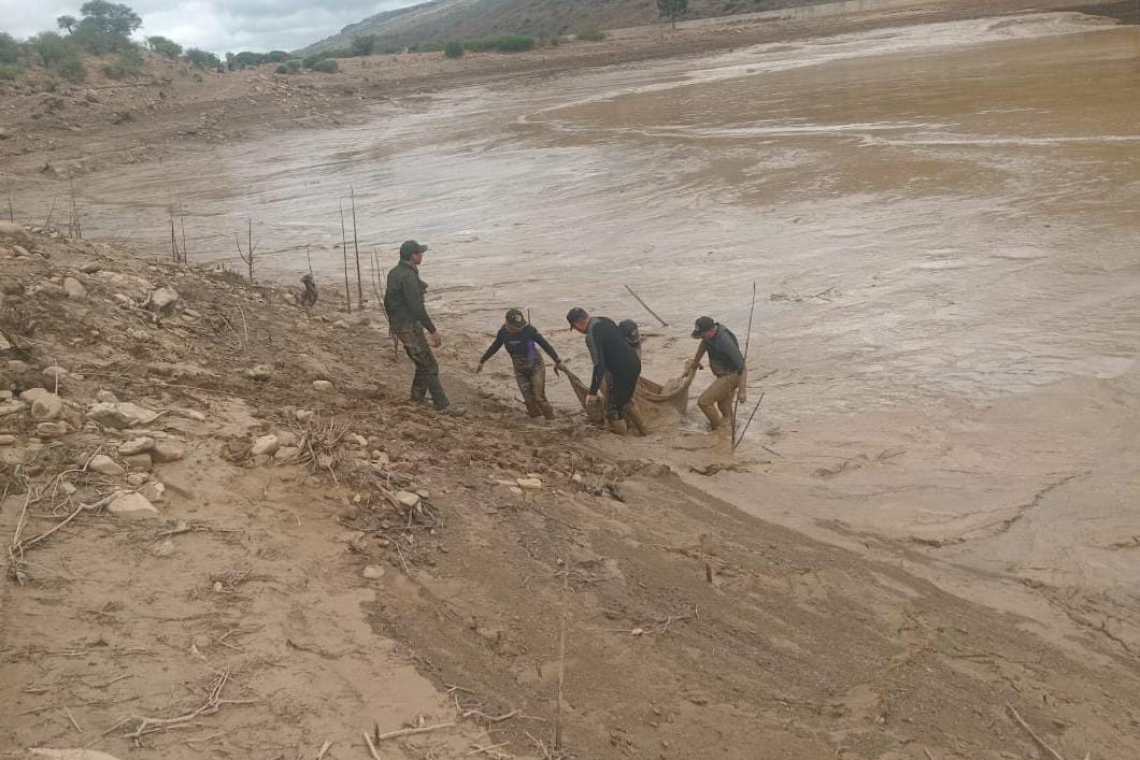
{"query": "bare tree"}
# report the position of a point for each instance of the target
(247, 255)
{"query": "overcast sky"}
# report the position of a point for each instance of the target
(215, 25)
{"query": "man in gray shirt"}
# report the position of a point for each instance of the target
(727, 365)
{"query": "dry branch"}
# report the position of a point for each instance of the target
(1037, 739)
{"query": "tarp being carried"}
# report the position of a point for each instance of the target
(657, 405)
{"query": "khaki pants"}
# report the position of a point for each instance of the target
(532, 383)
(716, 401)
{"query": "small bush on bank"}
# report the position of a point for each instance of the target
(326, 66)
(10, 71)
(9, 48)
(203, 59)
(514, 43)
(591, 35)
(454, 49)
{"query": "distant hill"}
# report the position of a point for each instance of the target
(438, 21)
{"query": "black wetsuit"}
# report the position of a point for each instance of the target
(612, 356)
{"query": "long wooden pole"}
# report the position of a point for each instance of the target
(344, 254)
(356, 246)
(651, 311)
(736, 441)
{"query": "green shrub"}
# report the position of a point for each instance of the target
(514, 43)
(52, 48)
(164, 47)
(281, 69)
(453, 49)
(129, 63)
(338, 53)
(71, 69)
(591, 35)
(276, 56)
(9, 49)
(294, 66)
(326, 66)
(202, 58)
(363, 44)
(310, 61)
(430, 47)
(9, 71)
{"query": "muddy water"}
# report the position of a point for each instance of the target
(943, 224)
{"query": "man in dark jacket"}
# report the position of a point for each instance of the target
(523, 341)
(727, 365)
(408, 319)
(614, 357)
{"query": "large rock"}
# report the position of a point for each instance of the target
(31, 394)
(260, 372)
(162, 301)
(91, 267)
(135, 288)
(7, 440)
(104, 465)
(52, 429)
(74, 288)
(132, 505)
(14, 233)
(54, 375)
(12, 407)
(47, 406)
(139, 463)
(168, 451)
(408, 499)
(120, 415)
(266, 445)
(136, 446)
(322, 386)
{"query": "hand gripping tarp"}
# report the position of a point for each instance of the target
(658, 405)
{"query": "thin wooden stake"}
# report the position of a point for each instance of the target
(744, 372)
(562, 656)
(308, 260)
(50, 212)
(324, 749)
(651, 311)
(185, 250)
(356, 247)
(737, 441)
(344, 254)
(11, 210)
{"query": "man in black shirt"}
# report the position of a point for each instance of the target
(614, 357)
(522, 341)
(727, 365)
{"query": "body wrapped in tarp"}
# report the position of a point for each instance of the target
(658, 405)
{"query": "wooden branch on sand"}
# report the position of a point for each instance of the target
(651, 311)
(1037, 739)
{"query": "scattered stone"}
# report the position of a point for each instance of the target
(154, 491)
(577, 477)
(106, 397)
(137, 479)
(287, 438)
(132, 504)
(15, 233)
(120, 415)
(168, 451)
(359, 440)
(54, 375)
(340, 324)
(408, 499)
(373, 572)
(104, 465)
(7, 440)
(74, 288)
(52, 429)
(139, 463)
(531, 482)
(12, 407)
(91, 267)
(47, 406)
(68, 488)
(303, 415)
(4, 344)
(322, 386)
(266, 445)
(516, 490)
(162, 301)
(7, 395)
(16, 366)
(286, 453)
(165, 549)
(191, 313)
(136, 446)
(191, 414)
(261, 372)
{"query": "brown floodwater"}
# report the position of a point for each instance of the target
(942, 223)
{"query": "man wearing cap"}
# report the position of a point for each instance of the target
(523, 341)
(727, 365)
(614, 357)
(408, 319)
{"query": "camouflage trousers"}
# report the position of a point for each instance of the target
(426, 379)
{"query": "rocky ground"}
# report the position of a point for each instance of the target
(229, 535)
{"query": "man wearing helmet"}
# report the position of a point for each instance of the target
(523, 341)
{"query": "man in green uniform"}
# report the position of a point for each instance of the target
(727, 365)
(408, 319)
